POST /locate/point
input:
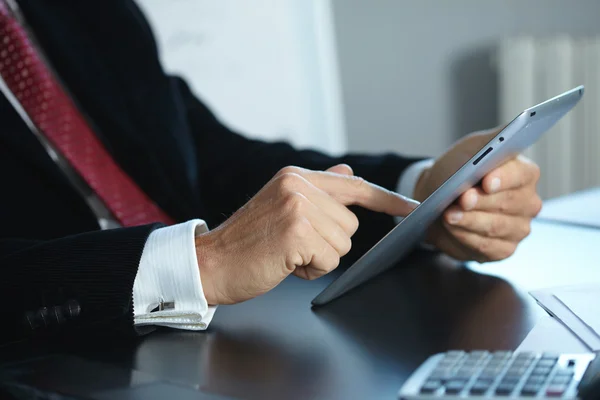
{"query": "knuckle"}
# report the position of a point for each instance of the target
(289, 182)
(510, 196)
(526, 230)
(491, 230)
(504, 206)
(507, 252)
(358, 182)
(301, 228)
(313, 273)
(332, 261)
(345, 246)
(483, 247)
(497, 227)
(507, 204)
(537, 205)
(354, 223)
(502, 253)
(295, 203)
(290, 169)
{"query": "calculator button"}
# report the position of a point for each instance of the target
(560, 380)
(442, 374)
(546, 363)
(522, 362)
(454, 354)
(502, 355)
(431, 386)
(550, 356)
(496, 365)
(446, 363)
(455, 386)
(530, 390)
(465, 373)
(539, 380)
(478, 354)
(511, 379)
(556, 390)
(505, 389)
(469, 362)
(480, 387)
(513, 375)
(572, 363)
(525, 355)
(543, 371)
(564, 372)
(516, 371)
(489, 374)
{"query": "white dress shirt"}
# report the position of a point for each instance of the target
(169, 273)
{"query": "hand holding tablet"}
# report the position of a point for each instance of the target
(464, 170)
(488, 221)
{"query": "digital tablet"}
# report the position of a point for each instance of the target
(518, 135)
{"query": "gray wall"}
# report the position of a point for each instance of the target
(417, 74)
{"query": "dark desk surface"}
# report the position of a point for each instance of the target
(365, 344)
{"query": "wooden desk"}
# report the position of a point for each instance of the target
(365, 344)
(581, 208)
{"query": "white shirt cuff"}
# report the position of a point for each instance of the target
(169, 278)
(409, 178)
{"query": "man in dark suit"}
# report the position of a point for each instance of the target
(108, 164)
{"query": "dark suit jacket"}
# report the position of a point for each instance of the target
(51, 248)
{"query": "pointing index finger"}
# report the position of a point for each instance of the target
(353, 190)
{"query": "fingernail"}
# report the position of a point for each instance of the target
(495, 185)
(471, 201)
(413, 203)
(455, 217)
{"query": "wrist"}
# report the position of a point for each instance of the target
(208, 265)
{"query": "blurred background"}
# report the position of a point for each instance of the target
(409, 76)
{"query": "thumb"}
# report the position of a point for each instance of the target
(342, 169)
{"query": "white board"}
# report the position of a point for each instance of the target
(267, 68)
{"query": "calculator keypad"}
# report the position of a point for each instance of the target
(500, 373)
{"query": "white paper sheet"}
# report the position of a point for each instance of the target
(583, 301)
(579, 208)
(550, 335)
(549, 299)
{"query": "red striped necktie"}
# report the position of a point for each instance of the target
(55, 115)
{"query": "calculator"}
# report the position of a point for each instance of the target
(504, 375)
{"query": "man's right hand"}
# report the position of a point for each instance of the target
(297, 223)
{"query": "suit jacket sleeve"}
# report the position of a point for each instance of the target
(83, 281)
(232, 168)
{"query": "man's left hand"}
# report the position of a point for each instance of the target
(488, 221)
